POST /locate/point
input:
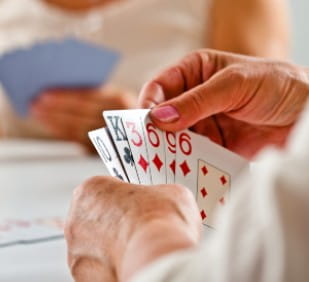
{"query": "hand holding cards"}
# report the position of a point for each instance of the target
(138, 152)
(24, 73)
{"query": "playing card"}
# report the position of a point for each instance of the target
(105, 148)
(27, 231)
(207, 169)
(133, 122)
(170, 156)
(156, 150)
(24, 73)
(113, 120)
(213, 185)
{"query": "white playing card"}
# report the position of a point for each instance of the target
(212, 190)
(170, 156)
(207, 169)
(156, 150)
(133, 122)
(113, 120)
(105, 148)
(27, 231)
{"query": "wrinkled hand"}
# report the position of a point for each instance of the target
(240, 102)
(114, 228)
(70, 113)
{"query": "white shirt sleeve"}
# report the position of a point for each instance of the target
(264, 232)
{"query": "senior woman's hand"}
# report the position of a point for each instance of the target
(114, 228)
(240, 102)
(68, 114)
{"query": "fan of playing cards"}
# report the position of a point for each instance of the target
(135, 150)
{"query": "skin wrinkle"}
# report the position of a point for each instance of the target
(146, 217)
(268, 117)
(209, 64)
(221, 132)
(73, 234)
(246, 102)
(219, 63)
(201, 69)
(209, 59)
(282, 107)
(91, 265)
(277, 111)
(196, 71)
(238, 76)
(291, 110)
(124, 213)
(184, 78)
(196, 105)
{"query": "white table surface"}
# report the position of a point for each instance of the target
(36, 180)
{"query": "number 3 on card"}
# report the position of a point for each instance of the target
(139, 140)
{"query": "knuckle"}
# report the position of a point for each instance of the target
(175, 72)
(76, 266)
(237, 77)
(197, 102)
(183, 192)
(94, 181)
(236, 73)
(89, 186)
(78, 191)
(194, 56)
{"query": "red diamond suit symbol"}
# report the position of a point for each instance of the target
(173, 166)
(204, 170)
(204, 192)
(157, 162)
(185, 168)
(143, 163)
(223, 179)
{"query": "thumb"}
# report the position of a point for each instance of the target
(217, 95)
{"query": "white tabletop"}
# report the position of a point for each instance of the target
(36, 181)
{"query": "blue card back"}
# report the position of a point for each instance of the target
(24, 73)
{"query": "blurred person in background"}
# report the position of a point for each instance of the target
(149, 34)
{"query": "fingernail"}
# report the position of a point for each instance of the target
(165, 114)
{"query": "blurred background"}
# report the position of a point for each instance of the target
(300, 31)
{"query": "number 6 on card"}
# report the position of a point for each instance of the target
(156, 152)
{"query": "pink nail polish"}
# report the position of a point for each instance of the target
(165, 114)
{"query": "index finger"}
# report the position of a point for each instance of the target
(191, 71)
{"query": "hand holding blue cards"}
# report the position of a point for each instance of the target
(70, 63)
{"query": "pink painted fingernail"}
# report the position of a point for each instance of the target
(165, 114)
